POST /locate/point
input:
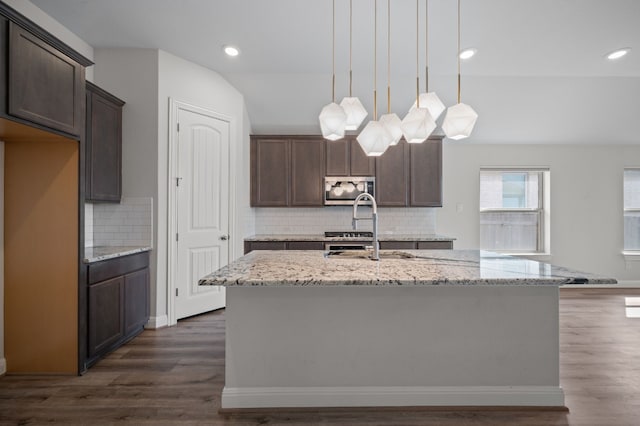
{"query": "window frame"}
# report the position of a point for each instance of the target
(625, 210)
(542, 235)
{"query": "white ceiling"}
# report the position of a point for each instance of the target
(539, 76)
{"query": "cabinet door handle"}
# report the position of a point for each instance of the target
(224, 237)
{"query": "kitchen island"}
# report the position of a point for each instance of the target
(417, 328)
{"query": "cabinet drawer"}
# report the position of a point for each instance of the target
(264, 245)
(406, 245)
(434, 245)
(110, 268)
(305, 245)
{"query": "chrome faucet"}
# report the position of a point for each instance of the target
(373, 219)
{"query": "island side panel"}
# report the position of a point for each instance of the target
(392, 345)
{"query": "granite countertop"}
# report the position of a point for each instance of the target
(96, 254)
(406, 267)
(320, 237)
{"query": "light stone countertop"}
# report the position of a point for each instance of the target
(396, 267)
(96, 254)
(320, 237)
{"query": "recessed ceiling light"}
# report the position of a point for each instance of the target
(617, 54)
(231, 51)
(468, 53)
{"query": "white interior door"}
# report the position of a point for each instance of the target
(202, 210)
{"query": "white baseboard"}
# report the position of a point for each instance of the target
(157, 322)
(3, 366)
(393, 396)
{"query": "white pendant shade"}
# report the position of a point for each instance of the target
(393, 124)
(333, 121)
(355, 112)
(432, 102)
(374, 139)
(418, 125)
(459, 121)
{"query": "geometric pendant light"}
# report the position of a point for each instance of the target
(390, 120)
(428, 100)
(332, 117)
(418, 124)
(459, 121)
(461, 118)
(375, 138)
(351, 104)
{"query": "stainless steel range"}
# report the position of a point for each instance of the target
(348, 234)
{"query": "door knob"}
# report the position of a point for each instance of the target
(224, 237)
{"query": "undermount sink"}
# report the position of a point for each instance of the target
(366, 254)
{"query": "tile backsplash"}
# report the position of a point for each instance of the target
(126, 224)
(317, 220)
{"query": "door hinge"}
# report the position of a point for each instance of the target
(178, 125)
(176, 292)
(178, 179)
(176, 236)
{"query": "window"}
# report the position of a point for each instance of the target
(513, 217)
(632, 209)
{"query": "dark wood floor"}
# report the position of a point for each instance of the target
(174, 376)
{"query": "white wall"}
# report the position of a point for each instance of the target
(132, 75)
(187, 82)
(146, 79)
(586, 199)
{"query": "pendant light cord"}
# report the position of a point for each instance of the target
(417, 60)
(458, 53)
(350, 46)
(375, 60)
(388, 56)
(333, 53)
(426, 46)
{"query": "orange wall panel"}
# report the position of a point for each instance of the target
(41, 256)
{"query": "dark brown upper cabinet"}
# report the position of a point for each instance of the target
(307, 172)
(345, 157)
(338, 153)
(103, 165)
(361, 164)
(392, 176)
(270, 175)
(426, 174)
(287, 171)
(44, 86)
(410, 175)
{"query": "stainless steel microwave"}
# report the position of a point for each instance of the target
(344, 190)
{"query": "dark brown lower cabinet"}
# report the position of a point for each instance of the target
(118, 304)
(136, 301)
(305, 245)
(320, 245)
(105, 315)
(420, 245)
(435, 245)
(397, 245)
